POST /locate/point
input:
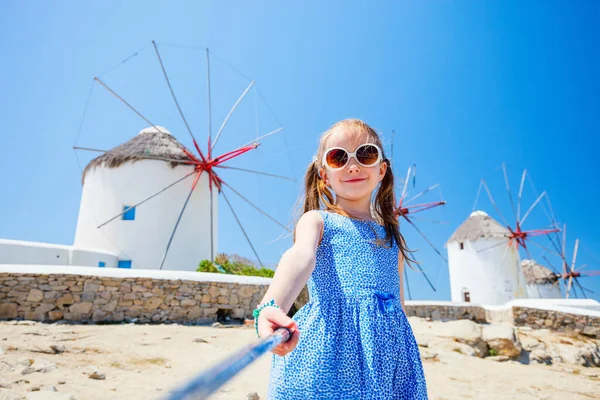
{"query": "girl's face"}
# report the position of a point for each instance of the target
(354, 181)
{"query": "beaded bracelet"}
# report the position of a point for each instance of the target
(259, 308)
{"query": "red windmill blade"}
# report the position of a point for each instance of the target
(406, 211)
(572, 274)
(202, 162)
(517, 236)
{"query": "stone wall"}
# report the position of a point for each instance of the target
(557, 321)
(72, 297)
(449, 312)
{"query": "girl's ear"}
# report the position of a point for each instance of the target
(383, 166)
(323, 173)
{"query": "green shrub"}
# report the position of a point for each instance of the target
(234, 265)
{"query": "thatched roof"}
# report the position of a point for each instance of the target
(536, 274)
(479, 225)
(149, 143)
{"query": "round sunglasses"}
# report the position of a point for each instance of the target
(366, 155)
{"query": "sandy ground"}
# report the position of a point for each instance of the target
(146, 361)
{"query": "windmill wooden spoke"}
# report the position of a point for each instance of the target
(407, 284)
(551, 266)
(477, 195)
(262, 137)
(583, 267)
(520, 195)
(427, 240)
(584, 289)
(127, 104)
(256, 172)
(501, 266)
(574, 256)
(405, 187)
(229, 115)
(256, 207)
(532, 207)
(147, 198)
(422, 193)
(434, 221)
(493, 202)
(512, 203)
(173, 160)
(545, 248)
(591, 273)
(162, 66)
(403, 211)
(581, 289)
(493, 246)
(242, 228)
(162, 263)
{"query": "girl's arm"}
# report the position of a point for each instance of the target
(401, 273)
(292, 273)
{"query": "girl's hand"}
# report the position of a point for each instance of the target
(271, 318)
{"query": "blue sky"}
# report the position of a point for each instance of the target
(465, 85)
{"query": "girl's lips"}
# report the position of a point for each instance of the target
(355, 180)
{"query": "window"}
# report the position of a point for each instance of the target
(124, 264)
(101, 264)
(467, 297)
(128, 213)
(462, 245)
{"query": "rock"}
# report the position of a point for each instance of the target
(217, 325)
(501, 340)
(61, 382)
(55, 315)
(539, 355)
(498, 358)
(450, 346)
(97, 375)
(57, 348)
(43, 366)
(81, 308)
(252, 396)
(35, 296)
(200, 340)
(65, 300)
(428, 354)
(466, 332)
(195, 313)
(436, 315)
(592, 331)
(34, 389)
(100, 316)
(586, 354)
(48, 388)
(8, 310)
(152, 304)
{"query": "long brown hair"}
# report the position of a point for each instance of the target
(318, 196)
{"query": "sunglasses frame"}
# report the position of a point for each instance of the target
(350, 155)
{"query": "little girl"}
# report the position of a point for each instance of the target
(356, 342)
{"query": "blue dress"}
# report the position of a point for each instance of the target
(355, 340)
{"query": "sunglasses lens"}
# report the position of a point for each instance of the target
(336, 158)
(367, 154)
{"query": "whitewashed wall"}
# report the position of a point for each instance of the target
(32, 253)
(144, 240)
(544, 291)
(492, 275)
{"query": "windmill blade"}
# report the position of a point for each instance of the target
(162, 66)
(257, 208)
(127, 104)
(564, 249)
(544, 248)
(532, 207)
(256, 172)
(263, 136)
(551, 266)
(591, 273)
(487, 189)
(405, 187)
(427, 240)
(584, 266)
(147, 198)
(407, 284)
(569, 286)
(493, 246)
(242, 228)
(512, 203)
(501, 267)
(581, 289)
(584, 288)
(520, 195)
(575, 255)
(434, 221)
(574, 287)
(422, 193)
(237, 103)
(209, 103)
(477, 195)
(162, 263)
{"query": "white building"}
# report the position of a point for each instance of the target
(121, 178)
(115, 182)
(483, 267)
(541, 282)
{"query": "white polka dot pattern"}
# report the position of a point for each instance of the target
(355, 340)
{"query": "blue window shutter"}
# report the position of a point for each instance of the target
(102, 264)
(124, 264)
(129, 213)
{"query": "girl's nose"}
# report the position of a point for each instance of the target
(352, 165)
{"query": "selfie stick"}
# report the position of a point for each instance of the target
(210, 380)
